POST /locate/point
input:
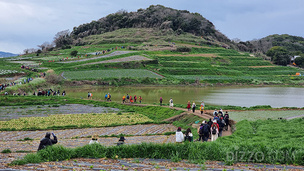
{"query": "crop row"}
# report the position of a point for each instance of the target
(268, 141)
(119, 73)
(73, 120)
(4, 72)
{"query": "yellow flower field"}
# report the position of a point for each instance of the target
(80, 120)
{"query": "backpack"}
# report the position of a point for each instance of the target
(201, 130)
(214, 129)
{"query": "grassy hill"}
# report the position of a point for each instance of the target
(147, 56)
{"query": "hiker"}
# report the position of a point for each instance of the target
(58, 92)
(46, 141)
(188, 106)
(193, 107)
(63, 93)
(121, 141)
(202, 109)
(226, 118)
(109, 97)
(140, 99)
(179, 136)
(131, 99)
(214, 130)
(220, 113)
(89, 95)
(206, 131)
(106, 97)
(128, 97)
(215, 112)
(135, 98)
(160, 101)
(171, 102)
(188, 135)
(221, 124)
(200, 131)
(94, 139)
(123, 99)
(216, 117)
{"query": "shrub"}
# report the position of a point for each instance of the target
(183, 49)
(6, 151)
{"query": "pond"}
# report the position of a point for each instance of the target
(276, 97)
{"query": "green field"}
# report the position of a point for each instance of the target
(263, 115)
(119, 73)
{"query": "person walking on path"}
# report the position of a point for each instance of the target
(135, 98)
(214, 131)
(193, 107)
(200, 131)
(226, 118)
(160, 101)
(128, 97)
(221, 124)
(140, 98)
(206, 131)
(215, 112)
(131, 99)
(47, 141)
(179, 136)
(123, 99)
(188, 106)
(189, 135)
(171, 102)
(202, 109)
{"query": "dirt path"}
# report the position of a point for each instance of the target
(208, 114)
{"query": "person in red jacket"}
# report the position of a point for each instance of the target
(188, 106)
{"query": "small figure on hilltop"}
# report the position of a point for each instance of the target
(188, 106)
(46, 141)
(121, 141)
(160, 101)
(171, 102)
(94, 139)
(179, 136)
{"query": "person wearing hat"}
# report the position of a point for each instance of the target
(121, 141)
(179, 135)
(46, 141)
(94, 139)
(214, 130)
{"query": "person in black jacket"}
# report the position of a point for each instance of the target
(46, 141)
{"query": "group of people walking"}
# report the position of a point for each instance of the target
(193, 107)
(207, 130)
(130, 99)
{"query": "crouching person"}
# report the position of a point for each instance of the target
(46, 141)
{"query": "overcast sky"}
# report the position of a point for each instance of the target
(28, 23)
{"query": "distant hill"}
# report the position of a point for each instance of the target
(156, 17)
(6, 54)
(293, 44)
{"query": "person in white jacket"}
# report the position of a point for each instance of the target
(179, 135)
(214, 134)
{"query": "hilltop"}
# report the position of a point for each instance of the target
(155, 17)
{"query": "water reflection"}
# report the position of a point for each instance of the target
(235, 96)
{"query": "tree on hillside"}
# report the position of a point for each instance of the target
(300, 61)
(46, 46)
(62, 38)
(74, 53)
(279, 55)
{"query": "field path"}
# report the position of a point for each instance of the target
(208, 114)
(115, 53)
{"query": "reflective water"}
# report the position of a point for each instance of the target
(235, 96)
